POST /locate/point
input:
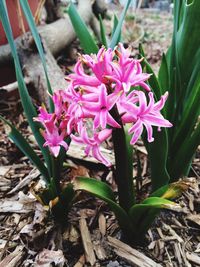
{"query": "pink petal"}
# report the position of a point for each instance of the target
(55, 150)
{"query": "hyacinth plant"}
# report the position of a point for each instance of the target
(109, 89)
(113, 98)
(132, 84)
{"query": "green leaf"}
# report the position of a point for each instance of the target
(163, 75)
(87, 42)
(157, 150)
(143, 214)
(116, 36)
(184, 156)
(153, 81)
(172, 191)
(103, 191)
(158, 155)
(27, 104)
(115, 23)
(102, 32)
(24, 146)
(33, 28)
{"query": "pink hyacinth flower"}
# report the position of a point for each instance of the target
(54, 140)
(46, 119)
(101, 108)
(148, 115)
(130, 75)
(93, 143)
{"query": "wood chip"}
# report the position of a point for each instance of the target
(87, 242)
(13, 259)
(4, 170)
(174, 235)
(194, 258)
(195, 218)
(131, 255)
(178, 253)
(13, 206)
(141, 149)
(99, 250)
(102, 224)
(80, 262)
(77, 151)
(25, 181)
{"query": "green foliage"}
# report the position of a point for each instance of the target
(87, 42)
(102, 32)
(172, 152)
(117, 30)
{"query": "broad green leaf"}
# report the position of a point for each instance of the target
(142, 215)
(190, 114)
(103, 191)
(117, 33)
(184, 155)
(24, 146)
(87, 42)
(158, 154)
(33, 28)
(172, 191)
(27, 104)
(102, 32)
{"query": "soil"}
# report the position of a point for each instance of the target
(30, 237)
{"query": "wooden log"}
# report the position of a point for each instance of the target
(57, 35)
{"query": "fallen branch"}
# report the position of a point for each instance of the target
(57, 35)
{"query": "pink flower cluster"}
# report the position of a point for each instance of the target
(103, 83)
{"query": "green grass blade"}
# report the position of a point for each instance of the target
(33, 28)
(117, 33)
(102, 32)
(27, 104)
(24, 146)
(87, 42)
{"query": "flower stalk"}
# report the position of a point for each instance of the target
(123, 152)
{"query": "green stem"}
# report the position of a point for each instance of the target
(124, 164)
(56, 175)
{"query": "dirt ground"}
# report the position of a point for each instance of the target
(29, 236)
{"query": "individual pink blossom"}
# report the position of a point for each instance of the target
(46, 119)
(129, 75)
(147, 115)
(93, 143)
(101, 109)
(54, 141)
